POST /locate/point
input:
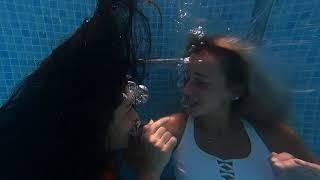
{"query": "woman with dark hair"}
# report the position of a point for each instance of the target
(67, 117)
(233, 119)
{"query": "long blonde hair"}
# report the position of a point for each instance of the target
(263, 102)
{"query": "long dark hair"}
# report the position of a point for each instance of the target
(54, 126)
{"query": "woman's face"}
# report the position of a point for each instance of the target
(125, 118)
(204, 88)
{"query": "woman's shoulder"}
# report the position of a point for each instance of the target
(281, 138)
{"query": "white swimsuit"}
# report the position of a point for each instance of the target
(191, 163)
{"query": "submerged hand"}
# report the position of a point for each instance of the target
(158, 144)
(287, 167)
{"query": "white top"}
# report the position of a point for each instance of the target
(192, 163)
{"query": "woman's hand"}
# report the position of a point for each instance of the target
(287, 167)
(158, 144)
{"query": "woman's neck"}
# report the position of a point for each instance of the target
(218, 123)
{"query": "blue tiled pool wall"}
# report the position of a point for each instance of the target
(293, 35)
(29, 30)
(179, 16)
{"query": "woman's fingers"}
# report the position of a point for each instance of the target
(156, 125)
(166, 137)
(287, 166)
(158, 144)
(159, 133)
(169, 146)
(281, 156)
(156, 134)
